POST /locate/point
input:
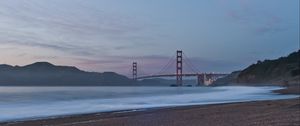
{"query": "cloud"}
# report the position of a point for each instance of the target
(261, 20)
(76, 50)
(272, 24)
(269, 29)
(122, 64)
(68, 26)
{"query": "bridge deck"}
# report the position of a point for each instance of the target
(184, 75)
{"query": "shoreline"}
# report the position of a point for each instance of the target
(124, 116)
(289, 90)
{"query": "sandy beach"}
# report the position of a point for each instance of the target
(258, 113)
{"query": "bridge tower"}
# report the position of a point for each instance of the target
(200, 79)
(134, 70)
(179, 68)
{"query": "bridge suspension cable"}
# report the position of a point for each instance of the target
(189, 64)
(170, 63)
(141, 71)
(179, 59)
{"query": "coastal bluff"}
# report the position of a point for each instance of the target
(282, 71)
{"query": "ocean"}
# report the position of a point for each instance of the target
(22, 103)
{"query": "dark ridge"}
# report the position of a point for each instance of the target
(47, 74)
(40, 64)
(281, 71)
(4, 67)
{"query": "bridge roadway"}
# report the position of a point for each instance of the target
(184, 75)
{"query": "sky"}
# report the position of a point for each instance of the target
(108, 35)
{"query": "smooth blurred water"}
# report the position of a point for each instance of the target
(17, 103)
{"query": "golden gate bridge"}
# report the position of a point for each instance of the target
(202, 77)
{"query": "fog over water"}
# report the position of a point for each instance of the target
(17, 103)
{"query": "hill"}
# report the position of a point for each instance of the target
(47, 74)
(227, 80)
(281, 71)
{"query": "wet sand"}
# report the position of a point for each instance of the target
(259, 113)
(289, 90)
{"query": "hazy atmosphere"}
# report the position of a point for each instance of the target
(108, 35)
(149, 63)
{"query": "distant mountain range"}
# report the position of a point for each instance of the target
(281, 71)
(47, 74)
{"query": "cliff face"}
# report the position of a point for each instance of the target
(282, 71)
(46, 74)
(228, 80)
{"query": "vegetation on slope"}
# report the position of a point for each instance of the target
(282, 71)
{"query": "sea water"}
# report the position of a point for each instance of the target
(21, 103)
